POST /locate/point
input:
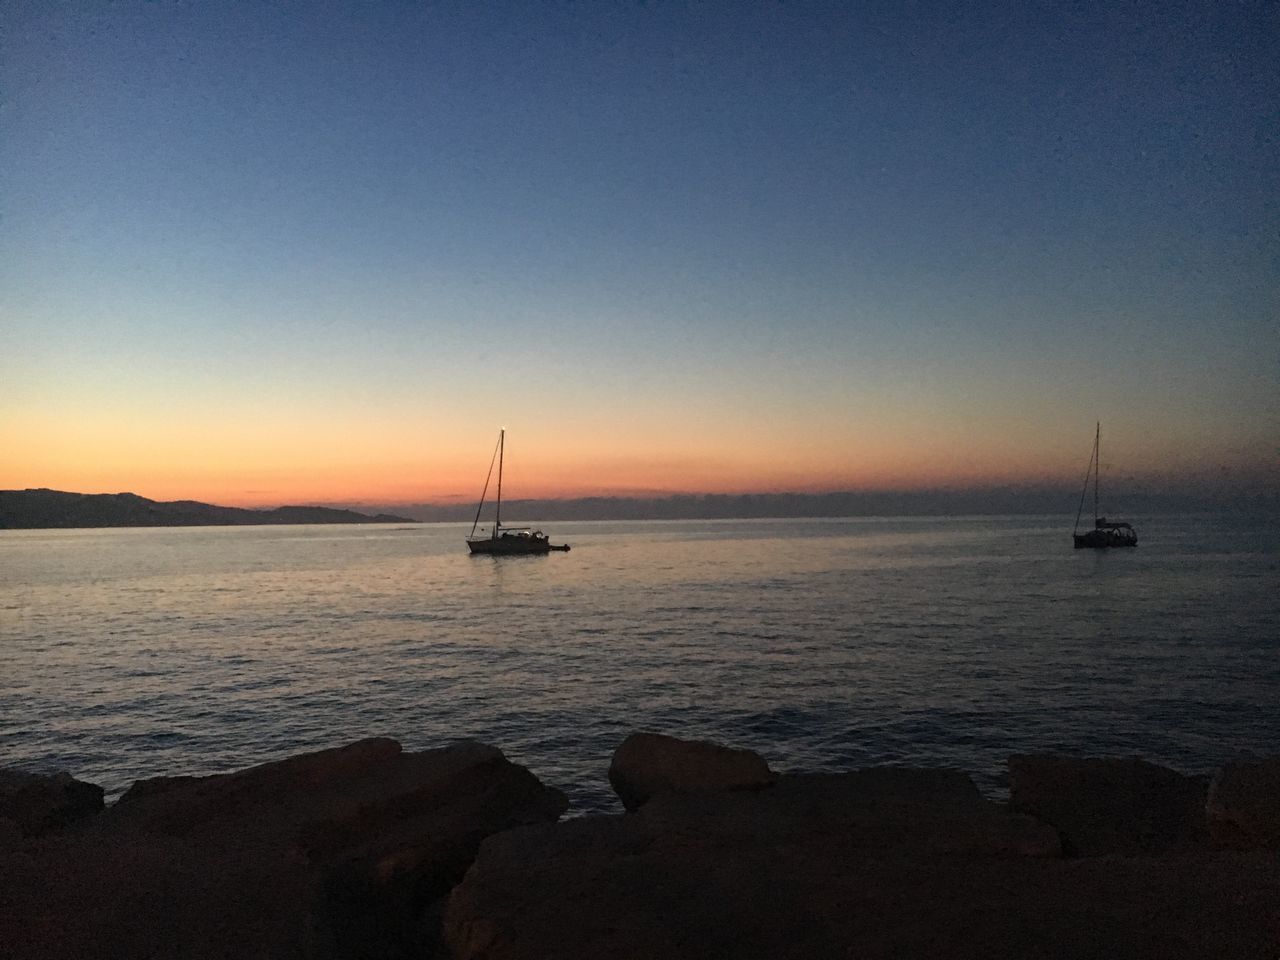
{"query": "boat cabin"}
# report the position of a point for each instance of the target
(1107, 533)
(522, 533)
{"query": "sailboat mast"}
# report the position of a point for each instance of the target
(485, 492)
(497, 519)
(1097, 469)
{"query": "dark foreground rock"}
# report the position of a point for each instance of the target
(627, 889)
(1243, 807)
(858, 864)
(1126, 805)
(367, 851)
(649, 764)
(36, 803)
(881, 863)
(339, 853)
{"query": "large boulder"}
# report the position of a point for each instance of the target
(611, 887)
(881, 862)
(39, 803)
(1110, 806)
(1243, 806)
(339, 853)
(875, 864)
(649, 764)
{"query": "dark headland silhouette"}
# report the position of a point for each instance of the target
(37, 509)
(30, 509)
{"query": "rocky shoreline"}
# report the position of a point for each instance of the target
(369, 851)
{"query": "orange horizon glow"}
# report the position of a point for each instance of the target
(271, 486)
(261, 462)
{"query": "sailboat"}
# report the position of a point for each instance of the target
(506, 540)
(1105, 533)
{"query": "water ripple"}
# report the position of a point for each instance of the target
(824, 645)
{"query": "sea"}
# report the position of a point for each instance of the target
(824, 645)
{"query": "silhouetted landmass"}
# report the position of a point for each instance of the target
(1029, 501)
(27, 509)
(35, 509)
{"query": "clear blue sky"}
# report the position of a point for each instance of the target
(723, 246)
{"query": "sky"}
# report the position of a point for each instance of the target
(318, 252)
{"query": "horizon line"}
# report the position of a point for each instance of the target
(1135, 487)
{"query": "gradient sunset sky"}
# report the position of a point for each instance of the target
(257, 253)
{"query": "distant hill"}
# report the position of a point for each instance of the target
(36, 509)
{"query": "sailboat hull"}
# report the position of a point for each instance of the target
(513, 546)
(1101, 539)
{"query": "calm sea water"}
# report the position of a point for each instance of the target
(824, 645)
